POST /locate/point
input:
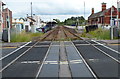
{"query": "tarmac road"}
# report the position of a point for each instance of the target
(84, 59)
(27, 65)
(103, 65)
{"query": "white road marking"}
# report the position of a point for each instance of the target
(53, 62)
(17, 58)
(30, 62)
(85, 44)
(94, 75)
(43, 61)
(14, 60)
(106, 47)
(63, 62)
(94, 60)
(50, 62)
(76, 61)
(15, 51)
(105, 53)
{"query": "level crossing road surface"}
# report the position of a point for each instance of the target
(80, 59)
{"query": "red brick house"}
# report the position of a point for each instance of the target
(5, 18)
(103, 17)
(4, 13)
(1, 14)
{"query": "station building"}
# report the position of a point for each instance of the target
(103, 17)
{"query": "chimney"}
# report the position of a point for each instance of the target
(92, 10)
(103, 6)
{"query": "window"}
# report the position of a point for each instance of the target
(22, 26)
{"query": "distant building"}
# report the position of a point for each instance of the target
(1, 19)
(7, 17)
(20, 24)
(35, 22)
(103, 17)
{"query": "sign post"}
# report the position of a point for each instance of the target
(118, 10)
(8, 21)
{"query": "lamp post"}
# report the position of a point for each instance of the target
(111, 25)
(8, 19)
(118, 6)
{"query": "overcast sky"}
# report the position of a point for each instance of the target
(60, 9)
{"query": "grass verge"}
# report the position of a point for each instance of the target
(24, 37)
(99, 34)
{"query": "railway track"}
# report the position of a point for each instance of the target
(19, 54)
(60, 33)
(86, 59)
(25, 49)
(70, 35)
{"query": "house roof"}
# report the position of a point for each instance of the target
(31, 19)
(99, 14)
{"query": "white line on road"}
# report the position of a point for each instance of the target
(17, 58)
(43, 62)
(94, 75)
(53, 62)
(14, 60)
(105, 53)
(106, 47)
(15, 51)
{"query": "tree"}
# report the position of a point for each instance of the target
(75, 21)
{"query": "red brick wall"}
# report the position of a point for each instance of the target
(107, 17)
(107, 20)
(5, 14)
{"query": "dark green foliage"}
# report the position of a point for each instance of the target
(74, 21)
(71, 21)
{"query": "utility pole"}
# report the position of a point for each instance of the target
(77, 22)
(8, 25)
(50, 23)
(31, 23)
(31, 9)
(111, 25)
(118, 14)
(84, 12)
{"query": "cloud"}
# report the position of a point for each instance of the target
(56, 7)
